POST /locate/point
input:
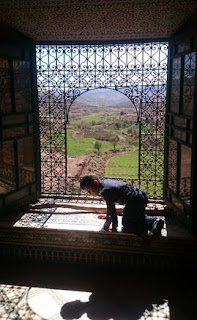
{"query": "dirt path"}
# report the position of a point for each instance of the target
(77, 166)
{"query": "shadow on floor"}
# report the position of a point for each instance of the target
(43, 291)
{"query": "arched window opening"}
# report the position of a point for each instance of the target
(67, 73)
(103, 135)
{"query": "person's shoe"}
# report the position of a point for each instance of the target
(157, 227)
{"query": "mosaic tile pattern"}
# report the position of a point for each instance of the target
(76, 20)
(56, 215)
(29, 303)
(59, 214)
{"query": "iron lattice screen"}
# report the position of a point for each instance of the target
(64, 72)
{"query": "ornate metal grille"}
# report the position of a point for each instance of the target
(137, 70)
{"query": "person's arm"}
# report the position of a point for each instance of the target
(106, 226)
(111, 213)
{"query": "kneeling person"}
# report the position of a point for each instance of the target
(135, 200)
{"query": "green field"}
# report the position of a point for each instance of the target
(112, 160)
(123, 165)
(94, 118)
(81, 146)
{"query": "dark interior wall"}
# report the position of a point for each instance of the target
(18, 119)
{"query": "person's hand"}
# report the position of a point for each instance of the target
(108, 229)
(102, 216)
(104, 230)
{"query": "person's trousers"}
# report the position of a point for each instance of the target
(134, 219)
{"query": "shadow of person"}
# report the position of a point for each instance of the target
(105, 306)
(73, 310)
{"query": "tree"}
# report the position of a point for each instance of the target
(114, 140)
(117, 125)
(97, 145)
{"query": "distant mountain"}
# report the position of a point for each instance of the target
(108, 98)
(105, 98)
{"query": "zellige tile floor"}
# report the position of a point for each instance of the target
(54, 292)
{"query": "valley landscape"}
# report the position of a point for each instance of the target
(102, 135)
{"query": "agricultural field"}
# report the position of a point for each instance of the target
(107, 135)
(122, 164)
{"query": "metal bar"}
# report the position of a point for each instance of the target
(194, 158)
(35, 107)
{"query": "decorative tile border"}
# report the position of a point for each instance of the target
(68, 246)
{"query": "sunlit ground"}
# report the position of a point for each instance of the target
(58, 215)
(83, 215)
(20, 302)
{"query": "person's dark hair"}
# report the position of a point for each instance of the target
(87, 180)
